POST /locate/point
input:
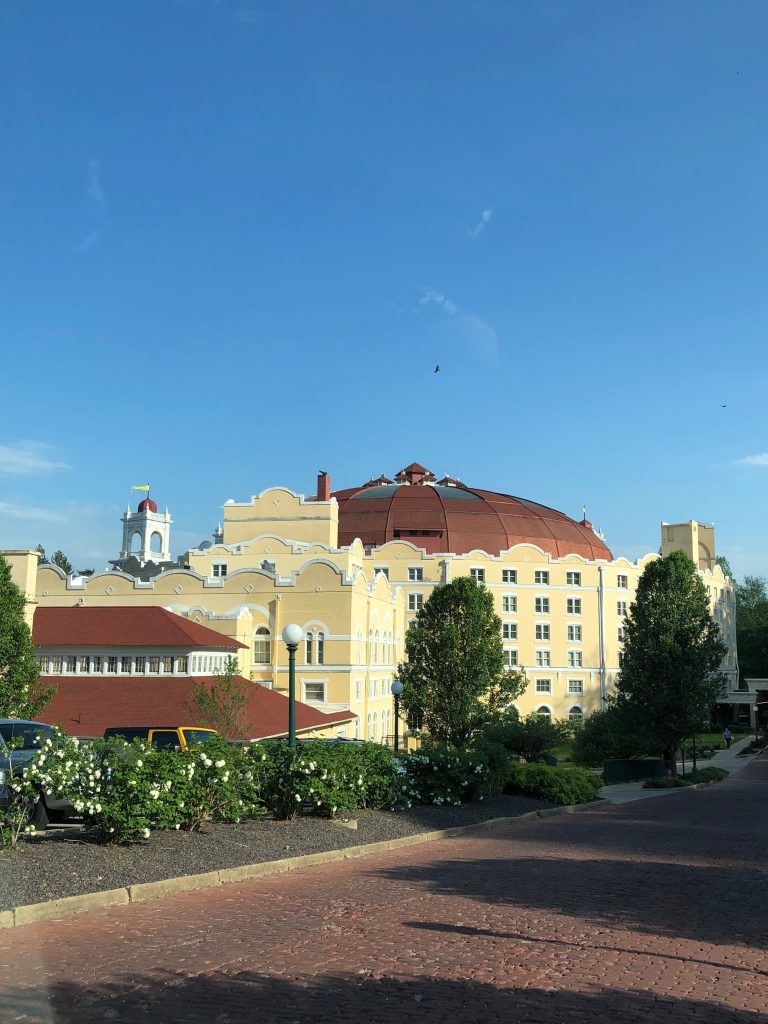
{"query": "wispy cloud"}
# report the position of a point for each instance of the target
(89, 241)
(473, 330)
(28, 458)
(754, 460)
(97, 205)
(95, 191)
(477, 230)
(29, 513)
(428, 296)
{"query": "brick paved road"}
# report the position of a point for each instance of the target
(655, 911)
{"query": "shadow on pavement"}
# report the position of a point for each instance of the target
(247, 996)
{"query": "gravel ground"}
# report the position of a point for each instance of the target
(65, 861)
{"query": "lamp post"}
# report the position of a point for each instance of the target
(756, 710)
(292, 636)
(397, 689)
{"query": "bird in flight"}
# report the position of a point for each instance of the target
(437, 368)
(723, 406)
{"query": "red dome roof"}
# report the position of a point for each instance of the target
(449, 516)
(147, 505)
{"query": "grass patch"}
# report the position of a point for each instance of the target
(691, 779)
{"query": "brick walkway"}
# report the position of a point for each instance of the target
(655, 911)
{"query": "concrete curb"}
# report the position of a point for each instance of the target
(143, 891)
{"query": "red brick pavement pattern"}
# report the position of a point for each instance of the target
(655, 911)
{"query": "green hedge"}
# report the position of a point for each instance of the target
(555, 785)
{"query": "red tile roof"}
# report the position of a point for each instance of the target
(87, 705)
(122, 626)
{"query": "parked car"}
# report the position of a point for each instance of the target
(32, 736)
(163, 737)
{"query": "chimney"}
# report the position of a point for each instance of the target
(323, 486)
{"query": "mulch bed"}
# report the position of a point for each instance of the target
(67, 861)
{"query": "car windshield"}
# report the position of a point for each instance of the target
(29, 733)
(195, 737)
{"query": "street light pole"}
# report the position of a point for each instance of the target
(756, 709)
(292, 636)
(397, 689)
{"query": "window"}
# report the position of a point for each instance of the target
(320, 648)
(621, 609)
(622, 631)
(371, 688)
(382, 569)
(182, 665)
(542, 631)
(373, 733)
(510, 659)
(573, 606)
(357, 728)
(71, 663)
(415, 575)
(309, 641)
(541, 576)
(141, 664)
(509, 603)
(509, 575)
(544, 712)
(125, 664)
(543, 686)
(358, 691)
(573, 579)
(478, 575)
(509, 631)
(543, 658)
(415, 601)
(370, 725)
(574, 659)
(576, 715)
(112, 664)
(262, 647)
(85, 663)
(154, 664)
(314, 691)
(56, 663)
(168, 665)
(219, 570)
(574, 632)
(576, 686)
(45, 664)
(541, 605)
(623, 582)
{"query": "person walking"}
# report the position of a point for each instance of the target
(727, 736)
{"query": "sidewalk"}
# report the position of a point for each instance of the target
(626, 792)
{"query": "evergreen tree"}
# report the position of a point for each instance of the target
(43, 560)
(222, 705)
(455, 662)
(60, 559)
(21, 695)
(670, 676)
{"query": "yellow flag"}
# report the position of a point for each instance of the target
(140, 487)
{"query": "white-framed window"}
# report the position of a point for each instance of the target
(321, 648)
(371, 688)
(542, 631)
(622, 631)
(85, 663)
(154, 664)
(112, 663)
(72, 663)
(415, 574)
(370, 726)
(45, 664)
(126, 664)
(262, 646)
(574, 659)
(509, 575)
(382, 569)
(574, 632)
(543, 711)
(218, 570)
(309, 648)
(509, 631)
(140, 664)
(510, 659)
(509, 603)
(541, 605)
(541, 576)
(573, 606)
(167, 665)
(543, 686)
(576, 686)
(357, 728)
(415, 601)
(622, 609)
(622, 582)
(182, 665)
(375, 720)
(358, 690)
(573, 579)
(478, 575)
(576, 715)
(543, 658)
(57, 662)
(314, 692)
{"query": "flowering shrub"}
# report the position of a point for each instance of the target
(437, 775)
(557, 785)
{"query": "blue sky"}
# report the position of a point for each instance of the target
(238, 236)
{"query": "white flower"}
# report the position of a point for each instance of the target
(178, 826)
(297, 796)
(139, 763)
(167, 785)
(220, 764)
(145, 833)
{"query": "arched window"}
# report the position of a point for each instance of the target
(320, 648)
(370, 647)
(544, 712)
(308, 643)
(373, 733)
(262, 647)
(156, 542)
(576, 715)
(136, 542)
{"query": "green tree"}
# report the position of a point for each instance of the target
(752, 627)
(43, 558)
(725, 565)
(21, 695)
(60, 559)
(670, 676)
(526, 737)
(455, 662)
(607, 734)
(223, 705)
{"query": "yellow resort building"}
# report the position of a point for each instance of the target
(353, 567)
